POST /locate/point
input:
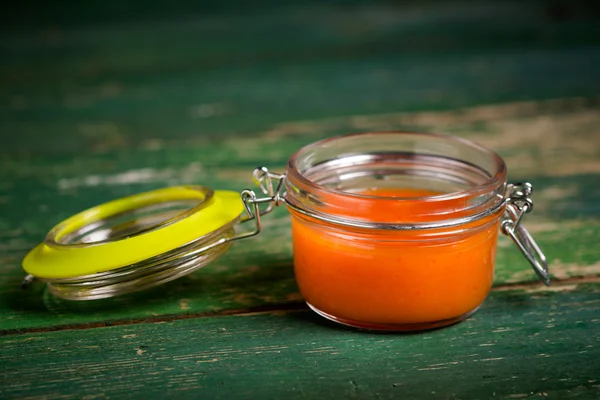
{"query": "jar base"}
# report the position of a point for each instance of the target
(408, 327)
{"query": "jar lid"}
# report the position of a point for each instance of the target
(147, 239)
(130, 230)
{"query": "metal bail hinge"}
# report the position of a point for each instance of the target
(519, 203)
(265, 180)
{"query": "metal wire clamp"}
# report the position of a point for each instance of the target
(264, 179)
(518, 203)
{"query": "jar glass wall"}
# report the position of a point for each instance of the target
(395, 230)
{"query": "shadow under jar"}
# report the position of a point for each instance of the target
(395, 230)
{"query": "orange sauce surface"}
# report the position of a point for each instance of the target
(396, 278)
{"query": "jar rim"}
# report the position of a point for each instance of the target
(497, 178)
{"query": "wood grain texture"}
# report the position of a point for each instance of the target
(520, 344)
(102, 100)
(113, 86)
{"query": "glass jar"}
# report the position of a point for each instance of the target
(395, 230)
(391, 231)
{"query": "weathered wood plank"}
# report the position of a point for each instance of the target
(520, 344)
(115, 86)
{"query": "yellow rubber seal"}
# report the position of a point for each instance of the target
(53, 260)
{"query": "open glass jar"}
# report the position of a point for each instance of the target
(391, 231)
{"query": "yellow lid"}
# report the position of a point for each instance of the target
(132, 229)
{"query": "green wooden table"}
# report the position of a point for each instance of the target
(101, 100)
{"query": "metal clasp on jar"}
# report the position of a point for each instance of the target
(519, 203)
(263, 178)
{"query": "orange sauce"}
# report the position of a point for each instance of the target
(397, 278)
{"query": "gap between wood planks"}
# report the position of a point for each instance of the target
(557, 285)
